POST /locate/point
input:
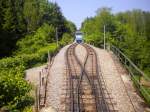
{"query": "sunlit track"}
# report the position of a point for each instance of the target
(102, 98)
(74, 73)
(86, 88)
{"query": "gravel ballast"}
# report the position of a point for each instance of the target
(81, 53)
(55, 80)
(118, 83)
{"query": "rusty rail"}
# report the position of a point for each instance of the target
(83, 79)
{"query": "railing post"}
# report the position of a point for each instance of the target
(49, 57)
(36, 99)
(104, 38)
(40, 78)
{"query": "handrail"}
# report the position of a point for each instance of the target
(131, 63)
(128, 64)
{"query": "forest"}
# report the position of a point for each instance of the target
(27, 33)
(128, 31)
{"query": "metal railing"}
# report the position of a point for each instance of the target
(135, 73)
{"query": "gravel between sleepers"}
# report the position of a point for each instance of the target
(55, 80)
(118, 83)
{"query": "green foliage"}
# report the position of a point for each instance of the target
(124, 30)
(93, 27)
(104, 17)
(70, 27)
(28, 109)
(43, 52)
(13, 87)
(18, 18)
(66, 39)
(95, 38)
(32, 50)
(11, 25)
(10, 62)
(29, 28)
(14, 91)
(31, 14)
(32, 43)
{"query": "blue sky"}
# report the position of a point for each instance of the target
(77, 10)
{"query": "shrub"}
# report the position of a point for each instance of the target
(66, 39)
(13, 90)
(33, 42)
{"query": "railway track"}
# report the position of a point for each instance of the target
(86, 90)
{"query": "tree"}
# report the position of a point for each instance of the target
(11, 22)
(31, 14)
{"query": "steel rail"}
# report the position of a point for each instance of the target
(76, 87)
(72, 92)
(103, 106)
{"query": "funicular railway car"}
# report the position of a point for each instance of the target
(78, 37)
